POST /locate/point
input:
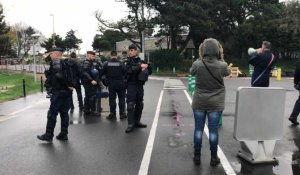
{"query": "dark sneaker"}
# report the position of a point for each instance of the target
(129, 129)
(294, 121)
(214, 161)
(140, 125)
(123, 116)
(62, 137)
(111, 117)
(45, 137)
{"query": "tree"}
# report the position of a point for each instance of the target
(100, 44)
(5, 45)
(3, 26)
(112, 36)
(131, 26)
(289, 26)
(71, 41)
(27, 39)
(59, 42)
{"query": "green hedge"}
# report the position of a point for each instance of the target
(166, 59)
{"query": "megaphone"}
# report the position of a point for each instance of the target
(251, 51)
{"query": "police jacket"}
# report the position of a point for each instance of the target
(91, 70)
(114, 70)
(75, 68)
(262, 63)
(133, 68)
(59, 76)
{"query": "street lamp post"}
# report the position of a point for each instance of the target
(34, 38)
(53, 34)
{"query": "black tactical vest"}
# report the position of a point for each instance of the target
(115, 70)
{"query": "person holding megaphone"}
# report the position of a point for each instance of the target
(263, 60)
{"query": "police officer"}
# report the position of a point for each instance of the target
(137, 75)
(115, 72)
(72, 63)
(60, 82)
(90, 80)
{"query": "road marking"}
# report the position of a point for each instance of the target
(149, 147)
(224, 161)
(13, 114)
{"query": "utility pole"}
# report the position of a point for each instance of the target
(143, 33)
(53, 33)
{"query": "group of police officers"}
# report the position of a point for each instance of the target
(65, 75)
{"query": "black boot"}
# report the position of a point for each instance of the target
(138, 114)
(62, 137)
(140, 125)
(130, 114)
(294, 121)
(197, 157)
(123, 116)
(111, 117)
(45, 137)
(215, 160)
(129, 129)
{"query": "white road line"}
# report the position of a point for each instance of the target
(13, 114)
(225, 163)
(148, 151)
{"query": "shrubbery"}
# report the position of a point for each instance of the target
(166, 59)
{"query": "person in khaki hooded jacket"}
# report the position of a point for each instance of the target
(209, 96)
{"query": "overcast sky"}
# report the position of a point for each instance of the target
(68, 14)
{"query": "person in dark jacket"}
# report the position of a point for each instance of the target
(137, 75)
(209, 96)
(60, 82)
(90, 81)
(76, 74)
(296, 109)
(115, 72)
(262, 60)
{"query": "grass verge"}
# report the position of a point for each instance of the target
(11, 85)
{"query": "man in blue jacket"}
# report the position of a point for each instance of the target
(262, 60)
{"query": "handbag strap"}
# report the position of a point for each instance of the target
(220, 82)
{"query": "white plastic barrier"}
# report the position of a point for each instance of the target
(259, 122)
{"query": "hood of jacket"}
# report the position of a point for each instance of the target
(210, 49)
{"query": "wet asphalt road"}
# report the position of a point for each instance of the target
(99, 146)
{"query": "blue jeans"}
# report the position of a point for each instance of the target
(213, 126)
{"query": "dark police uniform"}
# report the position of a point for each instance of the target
(296, 109)
(91, 71)
(115, 72)
(135, 93)
(60, 79)
(76, 78)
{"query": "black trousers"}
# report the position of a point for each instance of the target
(117, 89)
(59, 103)
(135, 103)
(90, 97)
(296, 109)
(79, 97)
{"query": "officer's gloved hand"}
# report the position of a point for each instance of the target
(101, 85)
(49, 95)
